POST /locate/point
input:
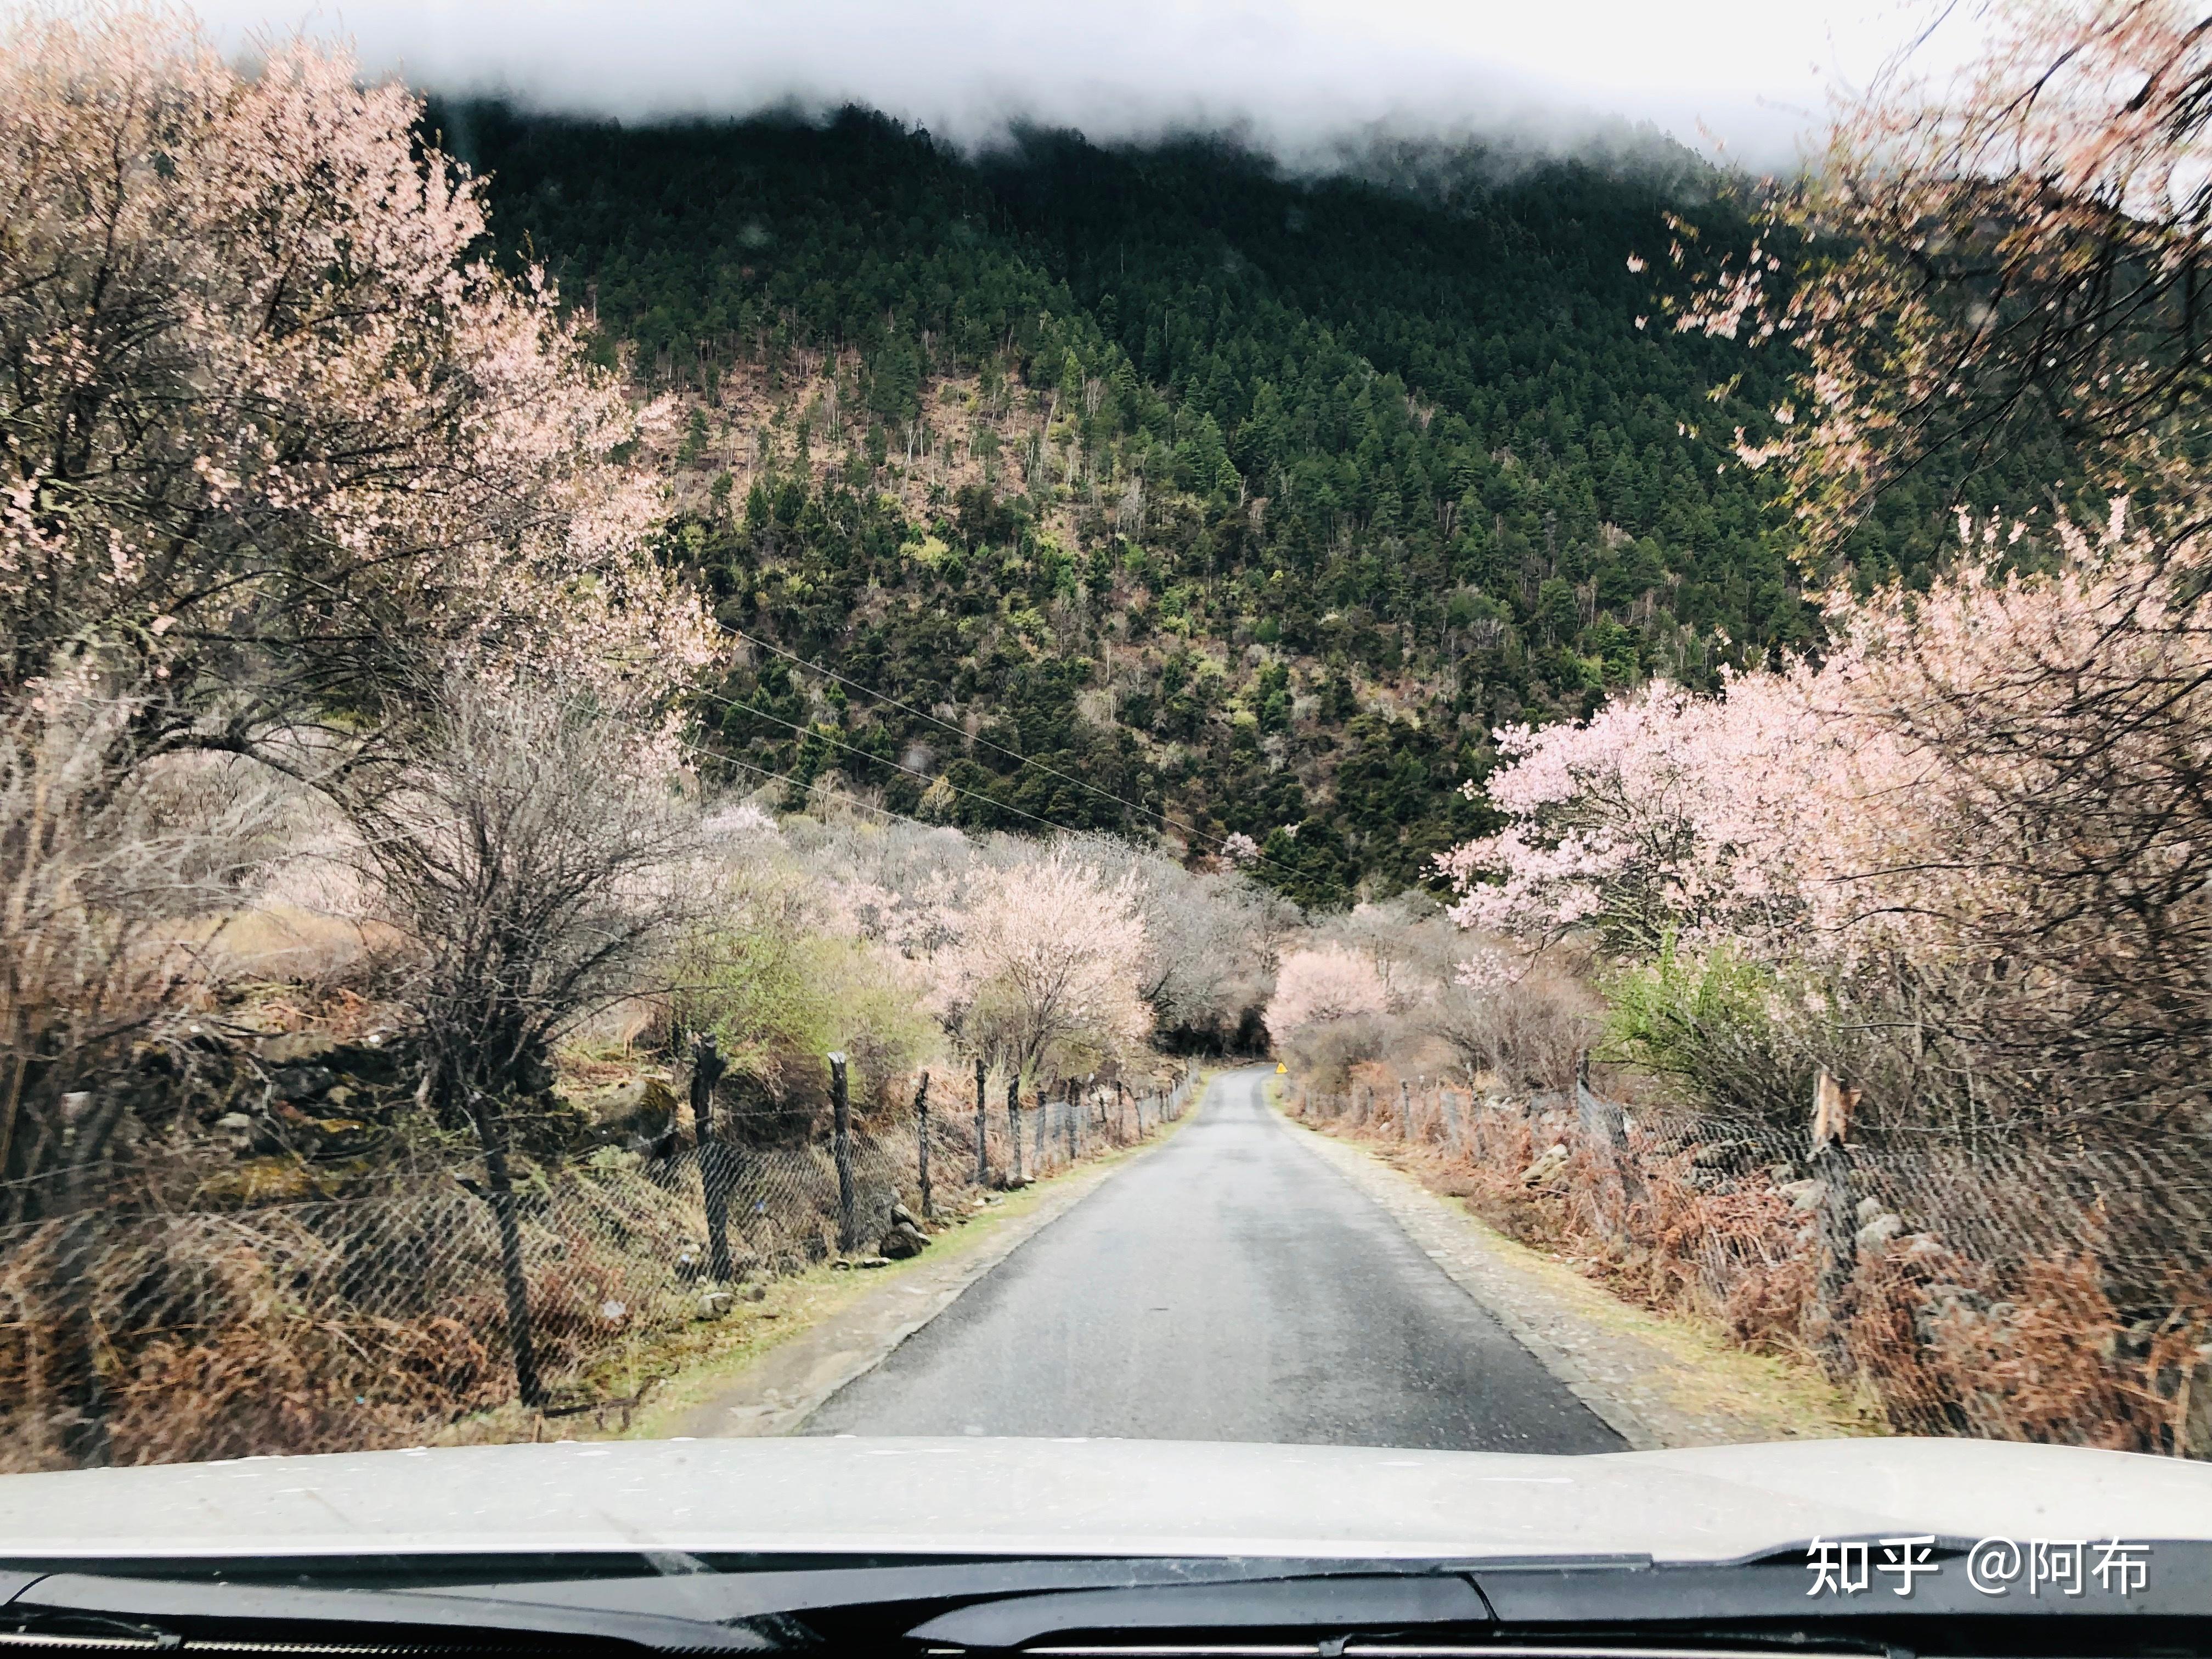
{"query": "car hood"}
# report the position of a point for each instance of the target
(1098, 1496)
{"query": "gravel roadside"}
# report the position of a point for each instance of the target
(1655, 1381)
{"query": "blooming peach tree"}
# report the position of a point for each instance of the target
(2001, 260)
(1980, 820)
(1324, 983)
(1041, 966)
(276, 436)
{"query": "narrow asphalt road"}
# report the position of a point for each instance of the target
(1229, 1286)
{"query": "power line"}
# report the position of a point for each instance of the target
(945, 724)
(853, 749)
(1191, 831)
(790, 782)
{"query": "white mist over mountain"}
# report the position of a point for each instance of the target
(1290, 75)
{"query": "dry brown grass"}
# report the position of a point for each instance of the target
(2022, 1345)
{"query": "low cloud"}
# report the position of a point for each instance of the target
(1294, 76)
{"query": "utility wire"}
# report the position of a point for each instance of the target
(1191, 831)
(790, 782)
(1012, 754)
(769, 773)
(853, 749)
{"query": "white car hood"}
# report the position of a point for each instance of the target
(1084, 1496)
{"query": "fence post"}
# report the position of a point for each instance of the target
(1452, 1121)
(1014, 1122)
(1838, 1239)
(848, 1217)
(1600, 1119)
(492, 1133)
(707, 1066)
(921, 1142)
(84, 1436)
(983, 1130)
(1405, 1111)
(1121, 1108)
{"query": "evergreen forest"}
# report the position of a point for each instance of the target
(1170, 488)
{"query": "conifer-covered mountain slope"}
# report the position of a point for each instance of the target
(1166, 489)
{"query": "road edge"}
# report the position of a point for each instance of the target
(1581, 1322)
(775, 1392)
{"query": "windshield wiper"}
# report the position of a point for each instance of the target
(740, 1611)
(1361, 1601)
(162, 1606)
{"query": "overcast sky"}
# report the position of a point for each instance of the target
(1291, 72)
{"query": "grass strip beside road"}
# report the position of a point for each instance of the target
(712, 1359)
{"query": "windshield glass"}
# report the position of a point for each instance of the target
(1391, 727)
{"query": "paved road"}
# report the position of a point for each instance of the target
(1229, 1286)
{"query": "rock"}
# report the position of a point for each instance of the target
(294, 1047)
(873, 1261)
(904, 1241)
(1868, 1208)
(339, 1137)
(1804, 1196)
(1723, 1154)
(234, 1123)
(1880, 1230)
(713, 1304)
(261, 1180)
(2195, 1434)
(901, 1213)
(756, 1293)
(1544, 1168)
(1945, 1304)
(641, 1109)
(304, 1081)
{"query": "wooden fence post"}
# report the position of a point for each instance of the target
(75, 1364)
(1838, 1239)
(707, 1068)
(983, 1130)
(491, 1132)
(922, 1141)
(1014, 1122)
(840, 1106)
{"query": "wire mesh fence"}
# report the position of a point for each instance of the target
(2049, 1289)
(137, 1331)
